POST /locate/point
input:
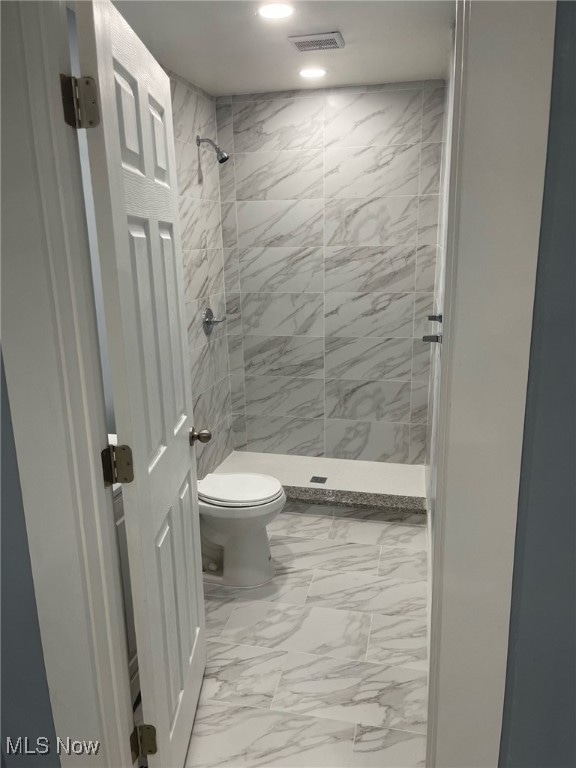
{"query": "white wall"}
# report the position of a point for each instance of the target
(500, 171)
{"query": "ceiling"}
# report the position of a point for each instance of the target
(224, 47)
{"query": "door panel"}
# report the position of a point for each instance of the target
(134, 182)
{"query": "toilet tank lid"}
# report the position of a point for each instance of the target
(239, 487)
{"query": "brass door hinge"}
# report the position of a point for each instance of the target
(117, 465)
(143, 741)
(80, 101)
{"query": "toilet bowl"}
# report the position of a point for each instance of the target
(234, 512)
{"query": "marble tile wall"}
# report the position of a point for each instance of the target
(330, 227)
(194, 112)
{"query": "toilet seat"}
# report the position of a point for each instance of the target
(239, 490)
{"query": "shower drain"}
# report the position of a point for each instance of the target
(316, 479)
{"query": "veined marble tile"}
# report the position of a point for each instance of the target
(239, 674)
(300, 526)
(280, 175)
(423, 306)
(357, 591)
(203, 273)
(425, 267)
(281, 434)
(372, 171)
(411, 536)
(403, 563)
(386, 748)
(286, 587)
(302, 508)
(372, 359)
(282, 269)
(341, 634)
(373, 532)
(200, 224)
(278, 124)
(418, 444)
(377, 315)
(229, 737)
(380, 515)
(419, 403)
(371, 221)
(217, 613)
(369, 269)
(373, 119)
(237, 393)
(368, 400)
(211, 406)
(306, 554)
(353, 691)
(231, 270)
(224, 130)
(280, 222)
(430, 163)
(192, 114)
(421, 357)
(285, 396)
(433, 115)
(428, 219)
(227, 178)
(284, 356)
(233, 314)
(238, 430)
(235, 354)
(283, 314)
(367, 441)
(229, 227)
(398, 640)
(208, 365)
(197, 173)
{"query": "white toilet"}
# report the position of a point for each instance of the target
(234, 512)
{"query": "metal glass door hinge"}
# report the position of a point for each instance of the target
(117, 465)
(80, 101)
(143, 741)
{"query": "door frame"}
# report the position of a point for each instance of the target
(502, 89)
(53, 372)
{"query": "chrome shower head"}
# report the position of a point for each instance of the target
(221, 156)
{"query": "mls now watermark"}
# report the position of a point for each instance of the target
(23, 745)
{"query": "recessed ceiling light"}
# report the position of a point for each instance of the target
(312, 72)
(276, 11)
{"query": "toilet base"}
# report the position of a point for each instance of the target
(247, 561)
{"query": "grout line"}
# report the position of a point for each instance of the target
(368, 639)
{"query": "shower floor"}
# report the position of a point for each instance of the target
(341, 474)
(325, 666)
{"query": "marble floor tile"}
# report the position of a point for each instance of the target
(403, 563)
(303, 508)
(301, 554)
(353, 691)
(398, 640)
(286, 587)
(385, 748)
(244, 737)
(338, 634)
(300, 526)
(387, 534)
(372, 594)
(241, 674)
(217, 612)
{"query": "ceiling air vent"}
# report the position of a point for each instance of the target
(323, 41)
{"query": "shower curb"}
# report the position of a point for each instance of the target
(381, 506)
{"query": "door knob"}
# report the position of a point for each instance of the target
(203, 436)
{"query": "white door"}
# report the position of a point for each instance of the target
(135, 195)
